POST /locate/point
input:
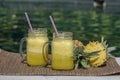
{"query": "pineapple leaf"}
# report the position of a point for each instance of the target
(77, 65)
(78, 50)
(93, 54)
(110, 49)
(74, 57)
(105, 44)
(102, 39)
(110, 55)
(84, 63)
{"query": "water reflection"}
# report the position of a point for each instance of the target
(86, 26)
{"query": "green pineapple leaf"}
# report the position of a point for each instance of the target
(84, 63)
(93, 54)
(76, 65)
(110, 49)
(102, 39)
(110, 55)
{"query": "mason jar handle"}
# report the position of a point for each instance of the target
(21, 50)
(43, 52)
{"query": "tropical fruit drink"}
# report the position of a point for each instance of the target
(62, 51)
(35, 42)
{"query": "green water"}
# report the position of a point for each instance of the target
(86, 26)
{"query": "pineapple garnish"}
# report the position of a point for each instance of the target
(94, 54)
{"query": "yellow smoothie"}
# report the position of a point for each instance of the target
(62, 54)
(34, 51)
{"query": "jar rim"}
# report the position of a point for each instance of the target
(63, 35)
(39, 30)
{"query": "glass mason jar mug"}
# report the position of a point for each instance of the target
(35, 42)
(62, 51)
